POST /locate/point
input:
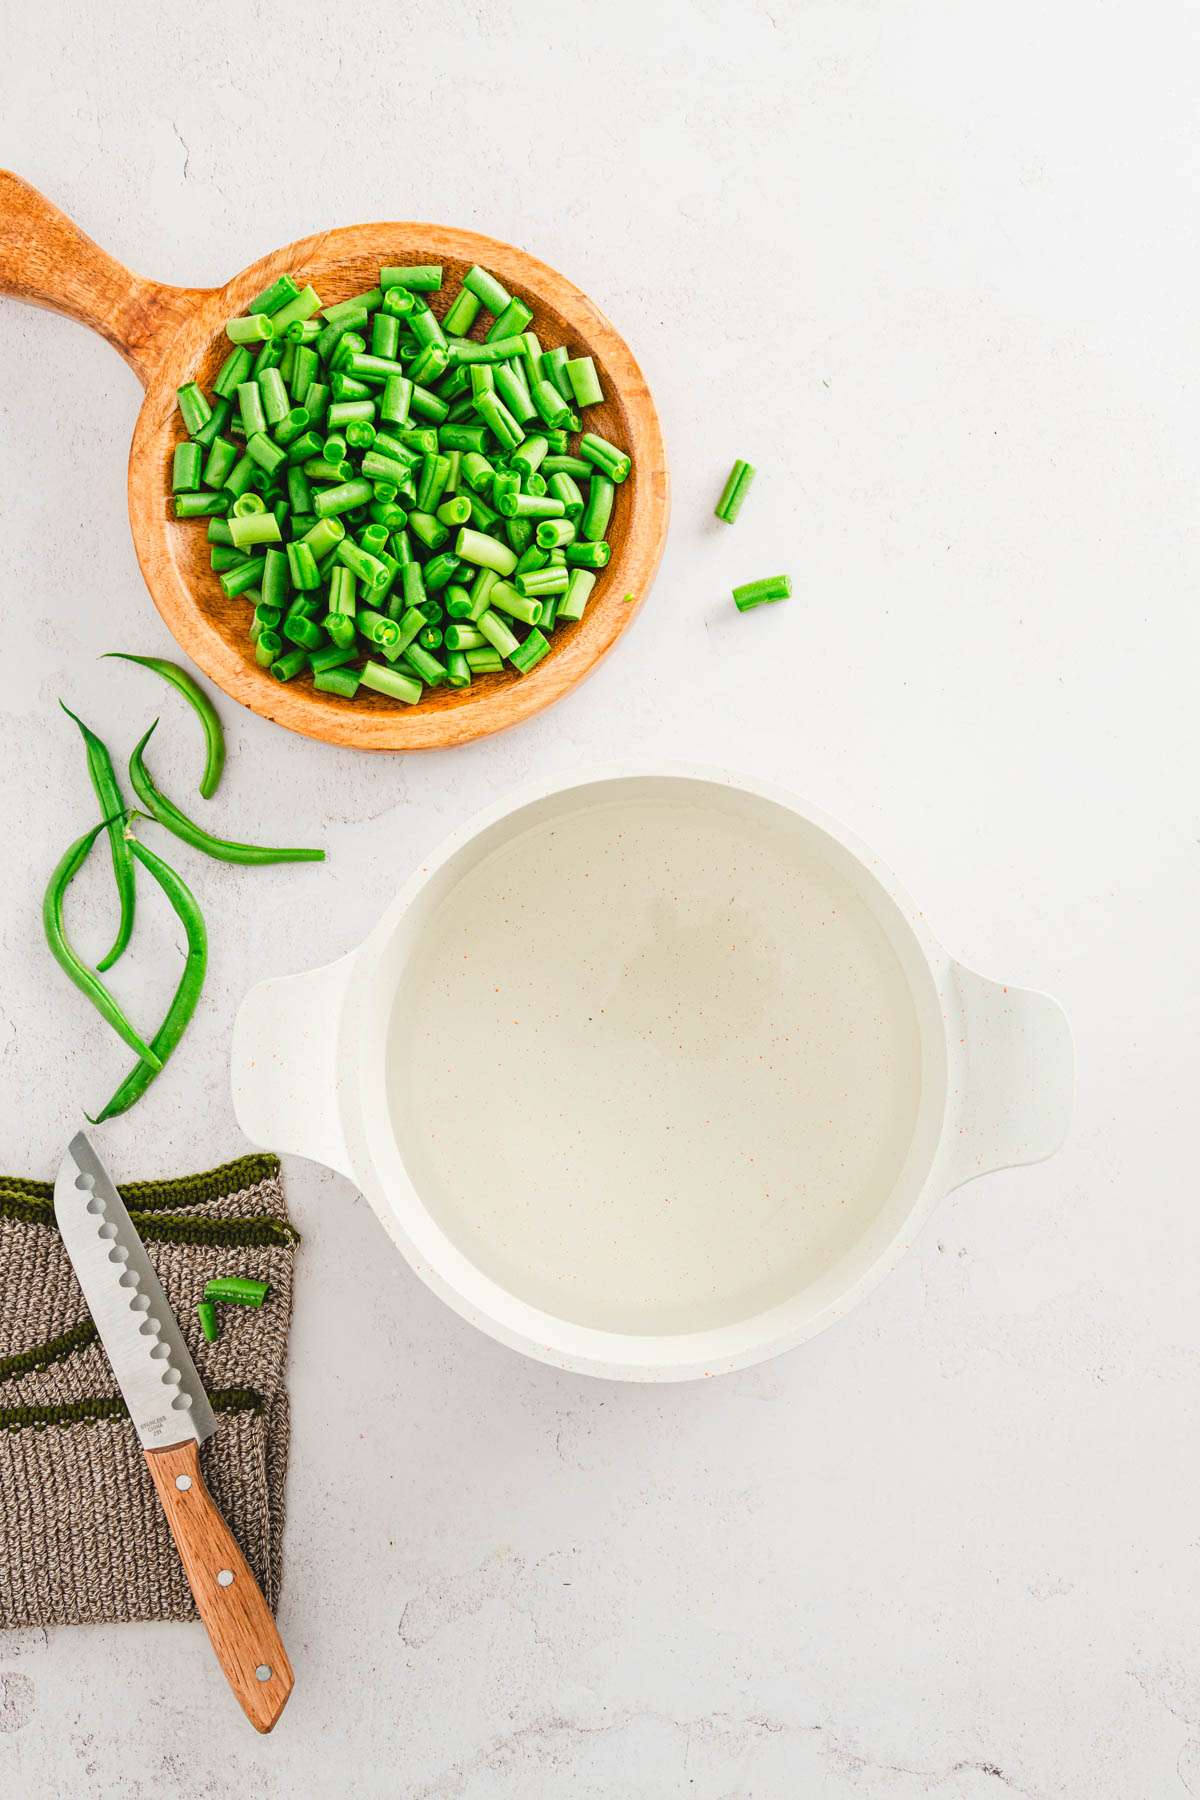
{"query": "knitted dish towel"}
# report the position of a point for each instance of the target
(83, 1539)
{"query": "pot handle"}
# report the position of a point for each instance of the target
(285, 1064)
(1018, 1083)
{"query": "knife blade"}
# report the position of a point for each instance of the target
(141, 1338)
(172, 1416)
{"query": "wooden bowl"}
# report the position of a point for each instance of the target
(169, 335)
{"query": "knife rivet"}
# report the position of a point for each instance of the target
(263, 1671)
(183, 1482)
(224, 1577)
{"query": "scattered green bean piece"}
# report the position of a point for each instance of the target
(758, 593)
(207, 1313)
(236, 1290)
(734, 491)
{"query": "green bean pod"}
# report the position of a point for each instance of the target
(169, 815)
(112, 808)
(85, 979)
(189, 687)
(183, 1002)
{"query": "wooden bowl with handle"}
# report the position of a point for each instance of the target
(170, 335)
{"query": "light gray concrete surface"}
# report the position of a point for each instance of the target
(933, 267)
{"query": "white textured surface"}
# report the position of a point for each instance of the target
(933, 268)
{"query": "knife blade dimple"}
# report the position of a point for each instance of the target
(140, 1334)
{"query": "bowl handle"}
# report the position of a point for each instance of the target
(48, 261)
(285, 1064)
(1018, 1079)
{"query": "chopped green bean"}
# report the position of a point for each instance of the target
(393, 682)
(484, 661)
(423, 278)
(758, 593)
(579, 587)
(734, 491)
(256, 329)
(497, 633)
(487, 290)
(530, 652)
(584, 381)
(236, 1290)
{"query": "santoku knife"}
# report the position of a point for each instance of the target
(171, 1413)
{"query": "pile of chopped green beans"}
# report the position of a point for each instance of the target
(398, 502)
(127, 853)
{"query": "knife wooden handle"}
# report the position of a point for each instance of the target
(228, 1599)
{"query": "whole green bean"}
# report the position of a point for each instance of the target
(189, 687)
(112, 808)
(170, 816)
(84, 978)
(183, 1002)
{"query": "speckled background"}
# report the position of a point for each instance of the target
(933, 268)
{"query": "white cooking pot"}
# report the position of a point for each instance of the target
(652, 1075)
